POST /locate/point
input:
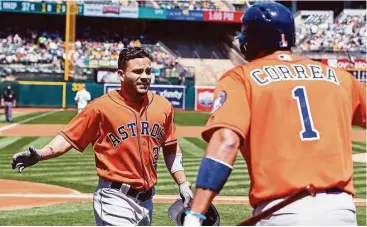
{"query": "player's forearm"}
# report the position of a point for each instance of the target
(202, 200)
(223, 146)
(179, 177)
(57, 147)
(174, 162)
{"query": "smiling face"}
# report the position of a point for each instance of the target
(137, 75)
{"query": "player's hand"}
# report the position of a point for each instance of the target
(186, 193)
(25, 159)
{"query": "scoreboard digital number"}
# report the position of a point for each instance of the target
(37, 7)
(360, 74)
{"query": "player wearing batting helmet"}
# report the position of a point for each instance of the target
(126, 128)
(291, 119)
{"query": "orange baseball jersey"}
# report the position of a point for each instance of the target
(294, 118)
(126, 137)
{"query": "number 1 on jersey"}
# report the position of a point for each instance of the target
(308, 131)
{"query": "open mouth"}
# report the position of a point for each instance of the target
(143, 85)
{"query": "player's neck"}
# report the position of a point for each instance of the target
(129, 95)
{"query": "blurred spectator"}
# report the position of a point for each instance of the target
(190, 5)
(110, 77)
(346, 35)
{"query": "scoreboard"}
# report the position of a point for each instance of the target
(359, 73)
(37, 7)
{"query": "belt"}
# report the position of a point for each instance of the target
(330, 190)
(142, 195)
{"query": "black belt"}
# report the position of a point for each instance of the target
(332, 190)
(142, 195)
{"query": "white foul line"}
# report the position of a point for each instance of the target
(27, 120)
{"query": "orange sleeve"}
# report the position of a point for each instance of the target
(231, 108)
(82, 129)
(169, 129)
(359, 103)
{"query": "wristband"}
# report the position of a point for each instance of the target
(198, 215)
(213, 174)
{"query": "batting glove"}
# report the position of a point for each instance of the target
(185, 193)
(25, 159)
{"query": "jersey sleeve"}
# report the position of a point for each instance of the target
(82, 129)
(76, 96)
(169, 137)
(89, 97)
(359, 103)
(231, 108)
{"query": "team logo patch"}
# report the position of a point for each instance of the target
(219, 100)
(206, 98)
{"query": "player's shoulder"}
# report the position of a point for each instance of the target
(237, 71)
(98, 102)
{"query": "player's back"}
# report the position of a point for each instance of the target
(301, 115)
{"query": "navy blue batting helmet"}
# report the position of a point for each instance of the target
(266, 27)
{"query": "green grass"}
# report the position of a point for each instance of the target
(357, 128)
(191, 118)
(359, 147)
(81, 214)
(58, 117)
(77, 170)
(17, 117)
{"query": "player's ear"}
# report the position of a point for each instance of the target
(121, 74)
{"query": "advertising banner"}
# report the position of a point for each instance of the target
(204, 97)
(223, 16)
(37, 7)
(152, 13)
(174, 94)
(345, 63)
(188, 15)
(99, 10)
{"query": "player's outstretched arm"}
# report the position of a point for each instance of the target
(58, 146)
(174, 162)
(215, 168)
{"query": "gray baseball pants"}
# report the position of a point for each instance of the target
(114, 207)
(8, 106)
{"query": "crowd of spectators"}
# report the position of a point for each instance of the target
(189, 5)
(345, 35)
(47, 49)
(127, 3)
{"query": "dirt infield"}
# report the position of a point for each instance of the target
(28, 110)
(53, 129)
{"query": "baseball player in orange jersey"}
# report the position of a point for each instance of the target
(291, 119)
(126, 128)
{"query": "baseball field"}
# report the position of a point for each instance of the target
(59, 191)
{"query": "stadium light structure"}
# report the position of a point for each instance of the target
(70, 26)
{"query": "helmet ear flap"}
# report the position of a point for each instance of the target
(241, 41)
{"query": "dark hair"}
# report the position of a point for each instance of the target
(130, 53)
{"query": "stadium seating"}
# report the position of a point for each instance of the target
(44, 54)
(346, 34)
(190, 5)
